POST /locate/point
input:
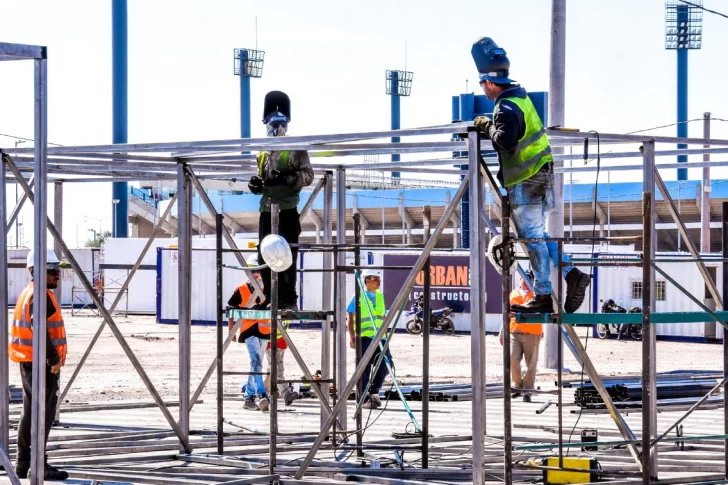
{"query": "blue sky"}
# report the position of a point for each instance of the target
(330, 57)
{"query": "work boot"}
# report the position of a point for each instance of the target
(22, 469)
(250, 404)
(526, 398)
(538, 304)
(53, 473)
(576, 284)
(264, 404)
(376, 402)
(289, 397)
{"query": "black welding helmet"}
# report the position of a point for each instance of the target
(491, 61)
(277, 104)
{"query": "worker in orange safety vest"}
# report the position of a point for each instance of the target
(525, 340)
(20, 350)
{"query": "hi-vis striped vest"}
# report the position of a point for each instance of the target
(370, 319)
(533, 150)
(20, 348)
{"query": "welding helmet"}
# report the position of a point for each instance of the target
(491, 61)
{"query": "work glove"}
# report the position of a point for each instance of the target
(256, 185)
(483, 124)
(277, 178)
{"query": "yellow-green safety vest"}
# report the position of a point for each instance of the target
(282, 162)
(533, 150)
(371, 322)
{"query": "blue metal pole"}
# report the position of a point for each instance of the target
(682, 107)
(395, 114)
(119, 190)
(244, 97)
(467, 113)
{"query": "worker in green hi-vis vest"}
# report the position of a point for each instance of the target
(526, 171)
(373, 310)
(281, 176)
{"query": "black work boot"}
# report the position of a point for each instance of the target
(576, 284)
(22, 469)
(538, 304)
(53, 473)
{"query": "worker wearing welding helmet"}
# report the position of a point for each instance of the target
(526, 171)
(280, 178)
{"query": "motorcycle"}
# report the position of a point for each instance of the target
(632, 330)
(438, 318)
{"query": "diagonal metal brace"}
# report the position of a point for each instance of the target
(104, 312)
(689, 242)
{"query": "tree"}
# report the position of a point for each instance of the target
(100, 238)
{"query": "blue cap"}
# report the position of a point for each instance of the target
(497, 77)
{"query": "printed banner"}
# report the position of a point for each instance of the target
(449, 282)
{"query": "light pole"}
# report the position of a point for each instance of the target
(398, 83)
(683, 32)
(94, 233)
(247, 63)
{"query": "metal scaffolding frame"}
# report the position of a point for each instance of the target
(190, 161)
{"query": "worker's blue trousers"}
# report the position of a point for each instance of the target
(531, 201)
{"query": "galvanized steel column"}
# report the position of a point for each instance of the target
(477, 307)
(58, 222)
(4, 374)
(37, 440)
(327, 277)
(649, 354)
(184, 284)
(705, 193)
(341, 296)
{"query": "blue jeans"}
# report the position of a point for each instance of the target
(256, 349)
(382, 372)
(531, 201)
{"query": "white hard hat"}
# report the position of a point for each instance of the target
(52, 260)
(495, 253)
(253, 260)
(371, 272)
(276, 253)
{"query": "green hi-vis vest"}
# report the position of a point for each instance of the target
(533, 150)
(282, 162)
(371, 323)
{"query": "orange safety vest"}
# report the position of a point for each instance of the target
(518, 297)
(21, 333)
(263, 325)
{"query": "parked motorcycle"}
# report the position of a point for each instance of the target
(438, 319)
(605, 330)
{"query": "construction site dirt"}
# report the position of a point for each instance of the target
(108, 375)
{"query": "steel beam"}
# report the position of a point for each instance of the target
(724, 269)
(388, 321)
(37, 441)
(4, 371)
(649, 353)
(477, 312)
(184, 301)
(327, 286)
(342, 344)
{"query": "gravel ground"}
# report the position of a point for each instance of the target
(108, 375)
